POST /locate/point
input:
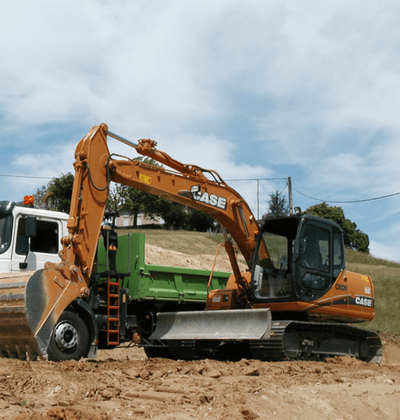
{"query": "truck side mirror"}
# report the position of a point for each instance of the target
(30, 227)
(30, 232)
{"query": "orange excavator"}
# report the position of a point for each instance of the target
(296, 300)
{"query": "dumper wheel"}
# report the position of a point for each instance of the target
(70, 338)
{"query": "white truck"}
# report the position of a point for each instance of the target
(29, 236)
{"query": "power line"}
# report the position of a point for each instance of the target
(252, 179)
(319, 199)
(350, 201)
(27, 176)
(228, 180)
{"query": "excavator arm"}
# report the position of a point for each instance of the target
(31, 305)
(188, 185)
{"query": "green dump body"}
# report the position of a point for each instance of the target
(155, 282)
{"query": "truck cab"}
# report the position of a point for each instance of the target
(29, 236)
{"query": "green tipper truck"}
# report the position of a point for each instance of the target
(126, 310)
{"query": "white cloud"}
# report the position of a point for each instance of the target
(58, 159)
(335, 87)
(252, 90)
(35, 170)
(384, 251)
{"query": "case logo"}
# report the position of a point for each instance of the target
(210, 199)
(363, 301)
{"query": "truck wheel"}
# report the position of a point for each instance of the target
(70, 338)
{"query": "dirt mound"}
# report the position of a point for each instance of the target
(160, 256)
(123, 384)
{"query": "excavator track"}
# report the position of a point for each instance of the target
(282, 340)
(298, 340)
(16, 337)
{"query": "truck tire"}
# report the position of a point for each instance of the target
(70, 338)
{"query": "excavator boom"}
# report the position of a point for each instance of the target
(30, 305)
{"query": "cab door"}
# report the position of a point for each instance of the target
(320, 258)
(31, 253)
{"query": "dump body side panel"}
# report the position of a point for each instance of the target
(154, 282)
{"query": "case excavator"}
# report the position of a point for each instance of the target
(296, 300)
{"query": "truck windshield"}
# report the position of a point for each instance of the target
(5, 232)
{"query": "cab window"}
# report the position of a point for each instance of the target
(315, 252)
(46, 241)
(315, 258)
(5, 232)
(338, 254)
(272, 279)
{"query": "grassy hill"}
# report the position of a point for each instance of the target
(385, 274)
(386, 278)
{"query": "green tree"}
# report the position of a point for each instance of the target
(175, 216)
(113, 200)
(127, 199)
(134, 201)
(40, 194)
(277, 205)
(199, 221)
(353, 237)
(61, 189)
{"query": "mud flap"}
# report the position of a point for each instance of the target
(29, 310)
(226, 325)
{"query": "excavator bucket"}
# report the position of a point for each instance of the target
(30, 305)
(224, 325)
(16, 337)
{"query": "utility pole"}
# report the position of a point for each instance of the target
(290, 195)
(258, 199)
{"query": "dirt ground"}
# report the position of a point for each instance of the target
(123, 384)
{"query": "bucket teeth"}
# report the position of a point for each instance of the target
(16, 336)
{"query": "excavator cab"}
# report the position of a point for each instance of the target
(307, 253)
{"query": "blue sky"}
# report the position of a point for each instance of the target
(253, 90)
